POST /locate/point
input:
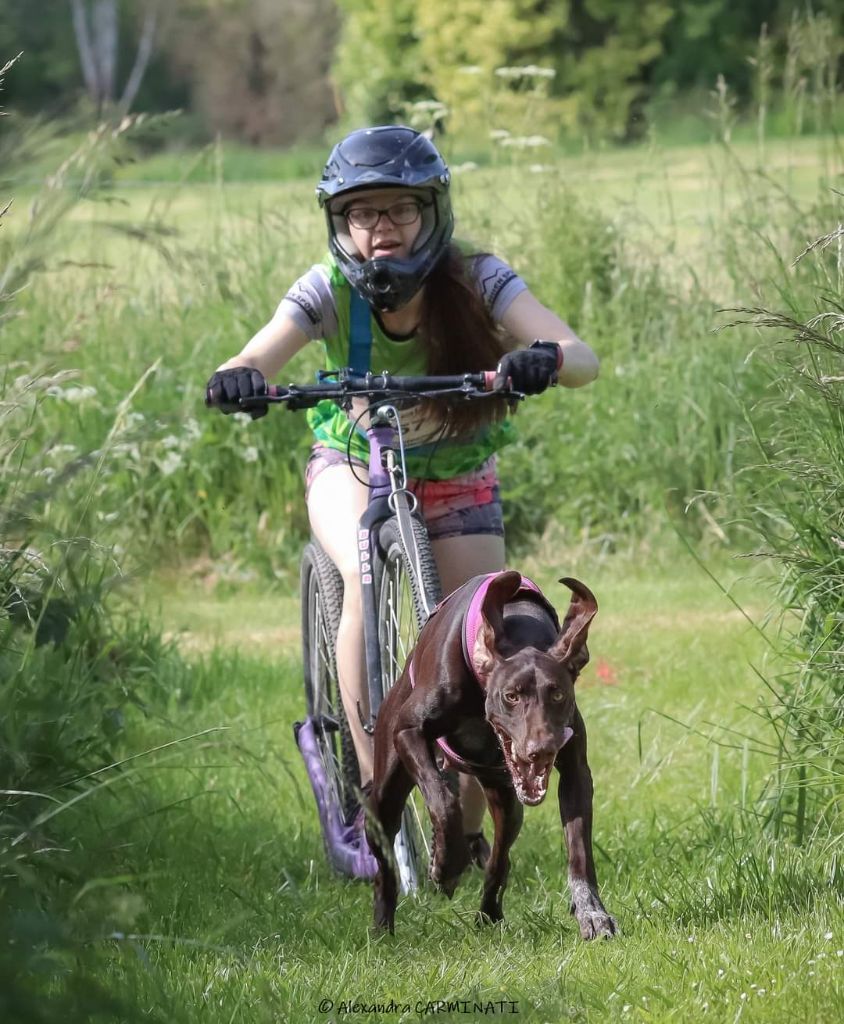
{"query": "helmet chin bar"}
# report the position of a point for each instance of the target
(387, 284)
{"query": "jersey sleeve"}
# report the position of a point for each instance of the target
(498, 284)
(310, 304)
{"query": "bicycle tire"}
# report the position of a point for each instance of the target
(405, 595)
(322, 604)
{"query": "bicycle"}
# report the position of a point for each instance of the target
(400, 588)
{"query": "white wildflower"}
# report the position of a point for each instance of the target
(192, 431)
(827, 935)
(62, 449)
(471, 69)
(526, 141)
(72, 395)
(499, 133)
(171, 442)
(428, 107)
(250, 454)
(513, 74)
(170, 463)
(469, 165)
(534, 71)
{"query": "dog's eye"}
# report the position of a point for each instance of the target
(557, 696)
(511, 697)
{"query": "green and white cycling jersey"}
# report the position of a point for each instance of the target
(320, 305)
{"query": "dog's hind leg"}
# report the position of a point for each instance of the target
(390, 791)
(575, 798)
(507, 814)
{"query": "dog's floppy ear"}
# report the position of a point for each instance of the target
(570, 645)
(485, 652)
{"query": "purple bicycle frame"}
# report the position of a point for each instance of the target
(345, 843)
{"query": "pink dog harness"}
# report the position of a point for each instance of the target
(469, 634)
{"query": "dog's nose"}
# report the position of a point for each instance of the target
(541, 748)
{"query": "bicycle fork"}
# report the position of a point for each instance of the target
(388, 496)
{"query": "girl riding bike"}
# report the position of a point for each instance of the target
(397, 294)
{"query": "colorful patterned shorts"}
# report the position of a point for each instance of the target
(463, 505)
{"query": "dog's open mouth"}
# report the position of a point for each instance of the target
(530, 778)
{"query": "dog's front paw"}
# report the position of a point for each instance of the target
(591, 915)
(448, 864)
(596, 924)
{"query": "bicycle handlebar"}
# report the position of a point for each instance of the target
(376, 386)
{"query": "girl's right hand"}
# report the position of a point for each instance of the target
(226, 387)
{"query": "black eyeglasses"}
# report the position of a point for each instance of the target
(402, 213)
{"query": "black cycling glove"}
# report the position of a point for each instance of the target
(226, 387)
(531, 370)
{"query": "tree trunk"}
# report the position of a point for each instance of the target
(145, 47)
(96, 26)
(104, 22)
(86, 52)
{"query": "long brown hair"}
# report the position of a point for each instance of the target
(460, 335)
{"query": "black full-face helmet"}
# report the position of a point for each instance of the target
(378, 158)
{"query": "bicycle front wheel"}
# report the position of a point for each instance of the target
(322, 603)
(409, 587)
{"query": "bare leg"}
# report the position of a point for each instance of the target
(335, 504)
(458, 560)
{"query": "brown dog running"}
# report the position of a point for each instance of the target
(490, 684)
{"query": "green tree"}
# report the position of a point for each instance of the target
(464, 42)
(605, 53)
(49, 69)
(378, 66)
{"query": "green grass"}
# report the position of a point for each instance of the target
(228, 912)
(189, 883)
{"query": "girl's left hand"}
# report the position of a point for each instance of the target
(531, 370)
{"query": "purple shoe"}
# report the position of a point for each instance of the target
(345, 844)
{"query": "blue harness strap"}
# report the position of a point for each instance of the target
(360, 334)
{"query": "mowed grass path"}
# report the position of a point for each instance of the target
(237, 917)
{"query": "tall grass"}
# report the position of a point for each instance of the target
(797, 513)
(73, 667)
